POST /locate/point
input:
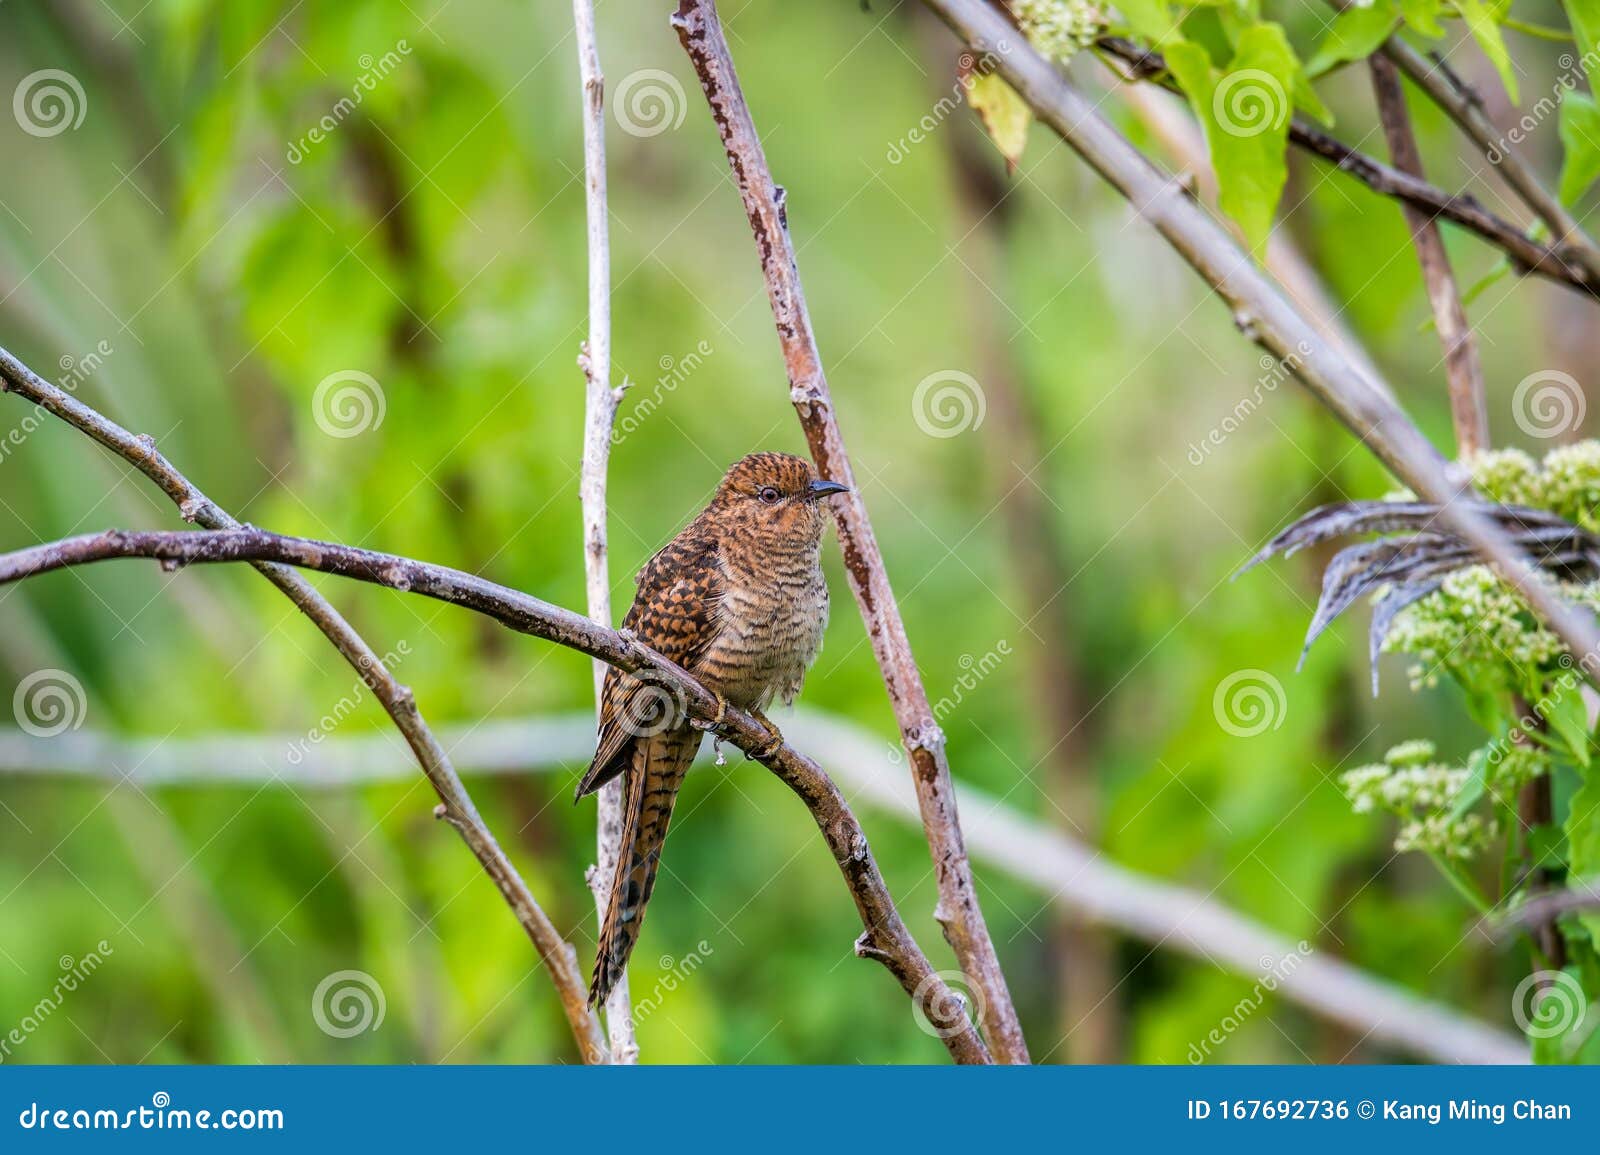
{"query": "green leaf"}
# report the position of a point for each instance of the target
(1580, 140)
(1423, 16)
(1307, 100)
(1583, 842)
(1585, 18)
(1151, 19)
(1481, 22)
(1245, 111)
(1476, 784)
(1547, 847)
(1568, 716)
(1354, 35)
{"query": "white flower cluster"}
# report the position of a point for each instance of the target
(1566, 482)
(1420, 791)
(1059, 28)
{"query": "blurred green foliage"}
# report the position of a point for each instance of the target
(433, 239)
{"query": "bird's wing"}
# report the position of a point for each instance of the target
(675, 613)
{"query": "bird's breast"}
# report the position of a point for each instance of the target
(770, 627)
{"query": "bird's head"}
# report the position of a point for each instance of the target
(775, 497)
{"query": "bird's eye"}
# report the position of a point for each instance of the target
(769, 495)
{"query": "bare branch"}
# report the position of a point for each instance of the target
(1364, 406)
(1465, 107)
(1080, 880)
(958, 912)
(599, 414)
(1468, 408)
(1555, 262)
(456, 804)
(885, 936)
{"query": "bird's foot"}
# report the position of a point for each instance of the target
(717, 720)
(771, 747)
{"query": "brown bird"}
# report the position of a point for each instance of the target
(738, 600)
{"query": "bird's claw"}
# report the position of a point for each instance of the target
(771, 747)
(717, 720)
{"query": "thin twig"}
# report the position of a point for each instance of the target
(397, 700)
(885, 937)
(958, 912)
(1558, 263)
(1465, 107)
(1262, 315)
(1077, 878)
(599, 413)
(1469, 410)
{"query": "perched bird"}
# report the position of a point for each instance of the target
(738, 600)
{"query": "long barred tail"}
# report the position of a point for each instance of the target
(656, 770)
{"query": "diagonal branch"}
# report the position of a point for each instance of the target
(1465, 107)
(599, 414)
(1463, 371)
(455, 805)
(884, 938)
(958, 912)
(1263, 315)
(1555, 262)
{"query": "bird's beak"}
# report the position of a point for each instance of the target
(824, 488)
